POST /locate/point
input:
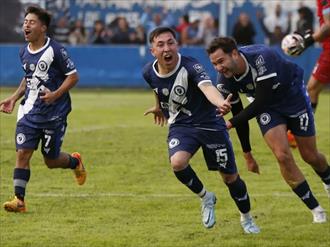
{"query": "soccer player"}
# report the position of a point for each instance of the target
(280, 103)
(42, 114)
(321, 75)
(187, 100)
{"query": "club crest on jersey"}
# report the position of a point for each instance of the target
(173, 143)
(265, 118)
(20, 138)
(198, 67)
(179, 90)
(42, 65)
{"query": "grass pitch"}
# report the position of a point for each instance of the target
(132, 198)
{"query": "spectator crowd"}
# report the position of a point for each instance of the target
(191, 29)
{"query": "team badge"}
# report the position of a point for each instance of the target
(20, 138)
(42, 65)
(179, 90)
(173, 143)
(265, 118)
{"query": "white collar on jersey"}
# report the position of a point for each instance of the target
(40, 49)
(170, 73)
(247, 68)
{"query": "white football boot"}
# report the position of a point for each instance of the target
(248, 225)
(319, 215)
(208, 216)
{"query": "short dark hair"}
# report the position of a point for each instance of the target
(225, 43)
(159, 30)
(43, 15)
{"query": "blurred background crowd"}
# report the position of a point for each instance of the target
(80, 22)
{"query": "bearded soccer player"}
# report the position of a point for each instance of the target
(280, 102)
(42, 114)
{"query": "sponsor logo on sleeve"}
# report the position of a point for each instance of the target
(165, 91)
(260, 62)
(69, 64)
(198, 67)
(64, 53)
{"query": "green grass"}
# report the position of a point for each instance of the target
(131, 197)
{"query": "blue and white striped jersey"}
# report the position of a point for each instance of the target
(181, 100)
(45, 68)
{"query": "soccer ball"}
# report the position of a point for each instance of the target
(290, 41)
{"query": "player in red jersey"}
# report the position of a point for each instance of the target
(320, 75)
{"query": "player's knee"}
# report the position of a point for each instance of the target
(178, 164)
(229, 178)
(23, 158)
(284, 158)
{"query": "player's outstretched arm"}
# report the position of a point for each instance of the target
(215, 97)
(159, 117)
(7, 105)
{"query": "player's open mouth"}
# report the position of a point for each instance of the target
(27, 32)
(168, 57)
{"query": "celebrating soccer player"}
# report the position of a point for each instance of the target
(187, 100)
(280, 103)
(42, 114)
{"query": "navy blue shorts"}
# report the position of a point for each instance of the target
(51, 139)
(300, 124)
(216, 146)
